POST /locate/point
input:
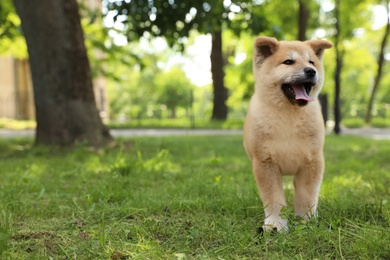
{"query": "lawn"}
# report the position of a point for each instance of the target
(184, 198)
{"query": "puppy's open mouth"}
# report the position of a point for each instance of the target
(298, 93)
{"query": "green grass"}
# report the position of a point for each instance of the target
(186, 123)
(16, 124)
(183, 198)
(181, 123)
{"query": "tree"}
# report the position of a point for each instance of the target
(381, 60)
(295, 19)
(173, 90)
(337, 72)
(303, 18)
(64, 101)
(175, 19)
(344, 20)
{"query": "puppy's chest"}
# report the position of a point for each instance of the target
(291, 147)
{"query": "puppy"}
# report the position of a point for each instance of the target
(284, 128)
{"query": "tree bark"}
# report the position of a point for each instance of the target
(220, 109)
(381, 60)
(173, 112)
(303, 18)
(323, 98)
(337, 73)
(63, 93)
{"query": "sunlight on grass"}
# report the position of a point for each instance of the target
(184, 197)
(346, 183)
(161, 162)
(16, 124)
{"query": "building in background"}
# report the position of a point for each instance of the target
(16, 95)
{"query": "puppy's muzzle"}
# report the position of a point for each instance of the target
(309, 72)
(297, 91)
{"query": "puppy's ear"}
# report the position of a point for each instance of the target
(264, 47)
(319, 46)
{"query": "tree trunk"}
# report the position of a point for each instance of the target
(173, 112)
(323, 98)
(381, 59)
(220, 109)
(337, 73)
(65, 104)
(303, 18)
(337, 80)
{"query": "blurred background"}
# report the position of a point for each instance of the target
(182, 63)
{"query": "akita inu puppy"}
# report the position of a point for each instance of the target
(284, 128)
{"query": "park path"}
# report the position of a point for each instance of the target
(375, 133)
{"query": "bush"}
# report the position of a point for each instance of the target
(185, 123)
(234, 123)
(380, 122)
(353, 122)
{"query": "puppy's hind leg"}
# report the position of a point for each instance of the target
(269, 181)
(307, 183)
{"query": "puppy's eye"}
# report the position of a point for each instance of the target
(288, 62)
(311, 62)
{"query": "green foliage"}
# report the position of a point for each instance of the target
(157, 87)
(383, 95)
(8, 21)
(239, 76)
(140, 90)
(182, 122)
(174, 20)
(174, 89)
(357, 75)
(105, 55)
(11, 40)
(178, 197)
(380, 122)
(285, 24)
(355, 15)
(136, 72)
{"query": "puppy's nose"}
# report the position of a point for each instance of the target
(309, 72)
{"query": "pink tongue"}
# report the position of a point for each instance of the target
(300, 93)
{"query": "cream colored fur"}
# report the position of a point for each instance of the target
(282, 138)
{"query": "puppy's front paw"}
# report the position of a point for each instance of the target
(278, 224)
